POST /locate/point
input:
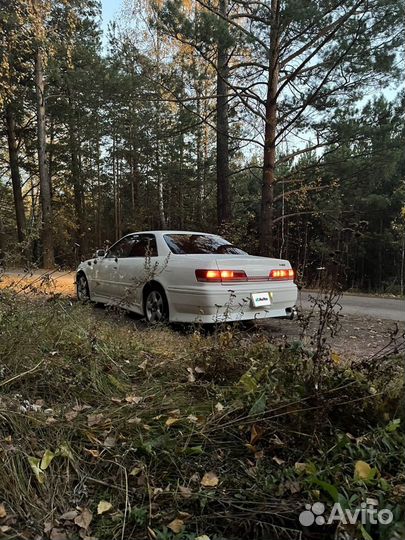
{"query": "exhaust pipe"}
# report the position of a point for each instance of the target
(290, 313)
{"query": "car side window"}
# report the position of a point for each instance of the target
(122, 248)
(144, 244)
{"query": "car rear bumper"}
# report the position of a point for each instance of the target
(210, 303)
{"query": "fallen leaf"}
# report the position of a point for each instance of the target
(184, 515)
(84, 519)
(3, 512)
(103, 507)
(185, 492)
(46, 459)
(199, 370)
(58, 534)
(190, 376)
(71, 415)
(133, 399)
(203, 537)
(135, 471)
(70, 515)
(300, 467)
(336, 358)
(109, 442)
(35, 466)
(134, 420)
(94, 419)
(48, 525)
(210, 479)
(143, 364)
(256, 433)
(362, 471)
(219, 407)
(278, 460)
(81, 407)
(294, 487)
(176, 526)
(171, 421)
(174, 412)
(64, 451)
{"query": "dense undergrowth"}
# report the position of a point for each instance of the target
(112, 432)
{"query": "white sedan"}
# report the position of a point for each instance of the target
(188, 277)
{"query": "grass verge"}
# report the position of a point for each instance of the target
(110, 432)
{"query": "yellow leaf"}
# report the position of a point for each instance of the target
(362, 471)
(171, 421)
(203, 537)
(210, 479)
(46, 459)
(256, 433)
(35, 466)
(103, 506)
(176, 526)
(64, 451)
(135, 471)
(336, 358)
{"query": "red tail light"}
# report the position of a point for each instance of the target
(220, 275)
(281, 274)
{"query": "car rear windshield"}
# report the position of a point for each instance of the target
(193, 244)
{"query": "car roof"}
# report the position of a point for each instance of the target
(172, 232)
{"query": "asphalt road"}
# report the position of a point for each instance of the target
(370, 306)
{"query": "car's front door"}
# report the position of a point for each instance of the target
(106, 274)
(136, 269)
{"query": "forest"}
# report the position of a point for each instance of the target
(279, 124)
(161, 391)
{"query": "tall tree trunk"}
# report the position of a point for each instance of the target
(15, 173)
(269, 154)
(44, 182)
(78, 192)
(223, 189)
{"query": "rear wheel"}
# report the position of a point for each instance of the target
(82, 288)
(156, 306)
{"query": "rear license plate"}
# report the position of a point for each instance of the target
(261, 299)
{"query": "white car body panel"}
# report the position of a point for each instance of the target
(121, 282)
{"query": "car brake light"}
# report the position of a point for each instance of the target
(281, 274)
(220, 275)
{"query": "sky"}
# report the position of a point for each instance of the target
(110, 8)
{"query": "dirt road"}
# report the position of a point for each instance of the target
(369, 306)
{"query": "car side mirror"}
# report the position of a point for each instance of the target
(100, 253)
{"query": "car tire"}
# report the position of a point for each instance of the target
(82, 288)
(156, 307)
